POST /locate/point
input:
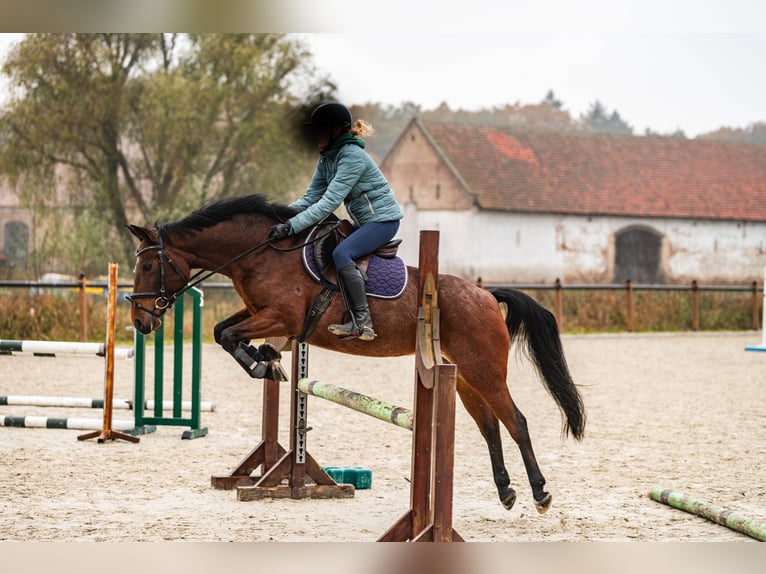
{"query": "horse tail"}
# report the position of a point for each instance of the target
(535, 328)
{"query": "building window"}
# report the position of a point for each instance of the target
(637, 255)
(16, 243)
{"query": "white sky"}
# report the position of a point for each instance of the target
(695, 82)
(694, 65)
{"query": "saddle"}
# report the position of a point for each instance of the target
(386, 273)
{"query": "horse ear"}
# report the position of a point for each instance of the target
(142, 233)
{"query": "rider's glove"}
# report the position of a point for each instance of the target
(279, 231)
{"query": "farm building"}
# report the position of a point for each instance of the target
(522, 206)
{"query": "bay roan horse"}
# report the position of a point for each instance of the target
(277, 293)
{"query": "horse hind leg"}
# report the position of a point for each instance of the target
(488, 410)
(489, 426)
(536, 480)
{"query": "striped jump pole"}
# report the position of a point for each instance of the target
(398, 416)
(62, 347)
(62, 423)
(88, 403)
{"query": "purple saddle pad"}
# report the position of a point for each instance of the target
(386, 278)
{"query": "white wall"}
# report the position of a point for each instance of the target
(504, 247)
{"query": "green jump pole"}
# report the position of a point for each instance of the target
(373, 407)
(712, 512)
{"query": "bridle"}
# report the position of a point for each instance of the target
(164, 301)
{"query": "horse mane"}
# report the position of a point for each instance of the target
(225, 210)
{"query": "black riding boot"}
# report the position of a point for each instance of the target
(360, 326)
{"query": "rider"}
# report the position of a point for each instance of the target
(345, 173)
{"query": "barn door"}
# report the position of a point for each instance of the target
(637, 255)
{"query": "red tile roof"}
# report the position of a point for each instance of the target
(512, 169)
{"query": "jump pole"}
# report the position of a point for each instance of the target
(48, 348)
(711, 512)
(61, 423)
(107, 432)
(90, 403)
(397, 416)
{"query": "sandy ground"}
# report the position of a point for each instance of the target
(682, 411)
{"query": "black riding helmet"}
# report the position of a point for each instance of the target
(329, 115)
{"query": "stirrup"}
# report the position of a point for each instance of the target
(342, 330)
(348, 331)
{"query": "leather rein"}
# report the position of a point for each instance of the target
(163, 301)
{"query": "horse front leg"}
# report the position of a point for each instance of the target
(234, 335)
(228, 338)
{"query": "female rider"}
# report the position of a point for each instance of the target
(345, 173)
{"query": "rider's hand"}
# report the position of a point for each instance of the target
(279, 231)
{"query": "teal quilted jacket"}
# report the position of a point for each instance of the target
(345, 173)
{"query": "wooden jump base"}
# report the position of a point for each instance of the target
(294, 473)
(87, 403)
(48, 348)
(60, 423)
(711, 512)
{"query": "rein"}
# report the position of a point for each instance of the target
(163, 302)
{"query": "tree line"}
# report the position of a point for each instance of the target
(143, 128)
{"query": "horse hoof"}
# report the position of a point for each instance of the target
(509, 500)
(544, 504)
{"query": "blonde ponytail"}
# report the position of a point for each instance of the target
(361, 129)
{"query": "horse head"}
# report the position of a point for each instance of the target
(159, 278)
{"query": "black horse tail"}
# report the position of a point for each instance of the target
(535, 328)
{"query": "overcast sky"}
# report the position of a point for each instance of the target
(695, 82)
(662, 64)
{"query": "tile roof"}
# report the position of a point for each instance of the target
(512, 169)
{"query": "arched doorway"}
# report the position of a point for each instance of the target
(637, 255)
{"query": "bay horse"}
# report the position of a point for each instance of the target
(230, 236)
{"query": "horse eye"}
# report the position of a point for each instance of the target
(146, 267)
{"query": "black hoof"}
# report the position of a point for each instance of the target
(268, 352)
(508, 499)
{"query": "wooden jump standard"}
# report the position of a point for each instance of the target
(294, 473)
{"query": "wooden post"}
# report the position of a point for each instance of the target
(695, 306)
(755, 303)
(629, 290)
(83, 305)
(433, 441)
(107, 433)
